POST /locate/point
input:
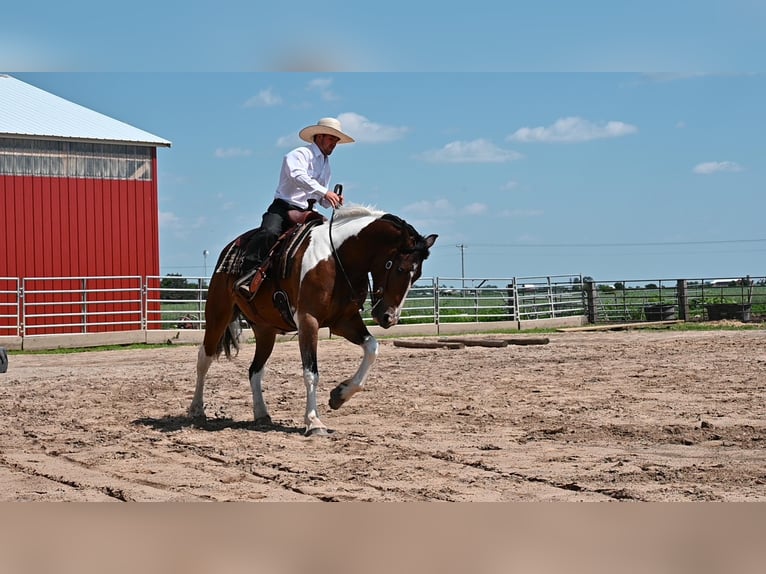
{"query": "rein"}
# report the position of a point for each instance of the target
(339, 190)
(375, 296)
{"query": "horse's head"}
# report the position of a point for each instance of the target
(395, 270)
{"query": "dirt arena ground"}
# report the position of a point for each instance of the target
(591, 416)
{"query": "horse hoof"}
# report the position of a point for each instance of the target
(318, 431)
(197, 417)
(261, 422)
(335, 399)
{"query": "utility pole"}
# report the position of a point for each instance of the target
(461, 246)
(204, 262)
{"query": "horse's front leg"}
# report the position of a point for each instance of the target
(348, 388)
(308, 329)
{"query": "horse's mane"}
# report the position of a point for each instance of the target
(353, 211)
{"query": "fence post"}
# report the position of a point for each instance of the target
(550, 299)
(512, 304)
(590, 293)
(84, 304)
(683, 300)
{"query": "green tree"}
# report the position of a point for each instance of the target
(173, 286)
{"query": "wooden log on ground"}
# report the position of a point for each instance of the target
(527, 340)
(621, 326)
(477, 342)
(413, 344)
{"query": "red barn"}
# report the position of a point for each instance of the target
(79, 230)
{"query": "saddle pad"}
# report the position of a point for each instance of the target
(231, 262)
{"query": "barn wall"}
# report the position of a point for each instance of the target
(58, 227)
(61, 227)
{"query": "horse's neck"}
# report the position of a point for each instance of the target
(330, 236)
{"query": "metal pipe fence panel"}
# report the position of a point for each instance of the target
(696, 299)
(47, 305)
(175, 302)
(10, 310)
(69, 305)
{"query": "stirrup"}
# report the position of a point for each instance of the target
(248, 284)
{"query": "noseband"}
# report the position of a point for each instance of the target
(377, 295)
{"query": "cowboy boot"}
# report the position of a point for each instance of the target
(248, 284)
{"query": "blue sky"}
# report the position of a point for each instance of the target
(619, 176)
(612, 139)
(397, 35)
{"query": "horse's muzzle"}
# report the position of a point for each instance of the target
(387, 319)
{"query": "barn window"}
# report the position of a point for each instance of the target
(51, 158)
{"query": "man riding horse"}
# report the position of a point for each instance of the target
(303, 181)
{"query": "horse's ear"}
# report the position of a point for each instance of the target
(430, 240)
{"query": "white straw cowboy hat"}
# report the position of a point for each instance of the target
(329, 126)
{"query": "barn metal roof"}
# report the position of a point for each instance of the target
(27, 111)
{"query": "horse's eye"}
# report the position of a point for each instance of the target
(400, 269)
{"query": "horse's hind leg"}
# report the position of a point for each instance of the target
(197, 407)
(264, 345)
(218, 311)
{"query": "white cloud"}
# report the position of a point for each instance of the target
(169, 220)
(709, 167)
(228, 152)
(442, 208)
(199, 222)
(573, 129)
(322, 85)
(359, 128)
(439, 207)
(520, 213)
(475, 208)
(476, 151)
(290, 141)
(661, 77)
(508, 185)
(365, 131)
(264, 99)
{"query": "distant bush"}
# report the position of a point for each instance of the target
(174, 288)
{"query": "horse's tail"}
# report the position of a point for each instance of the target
(232, 334)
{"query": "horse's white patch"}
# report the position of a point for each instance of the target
(370, 347)
(256, 388)
(347, 222)
(398, 310)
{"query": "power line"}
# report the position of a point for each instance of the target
(633, 244)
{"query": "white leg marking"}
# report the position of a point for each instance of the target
(370, 347)
(197, 408)
(312, 418)
(260, 411)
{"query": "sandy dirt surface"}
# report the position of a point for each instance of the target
(591, 416)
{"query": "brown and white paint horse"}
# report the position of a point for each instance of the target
(325, 285)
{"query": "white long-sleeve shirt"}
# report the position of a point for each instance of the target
(305, 175)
